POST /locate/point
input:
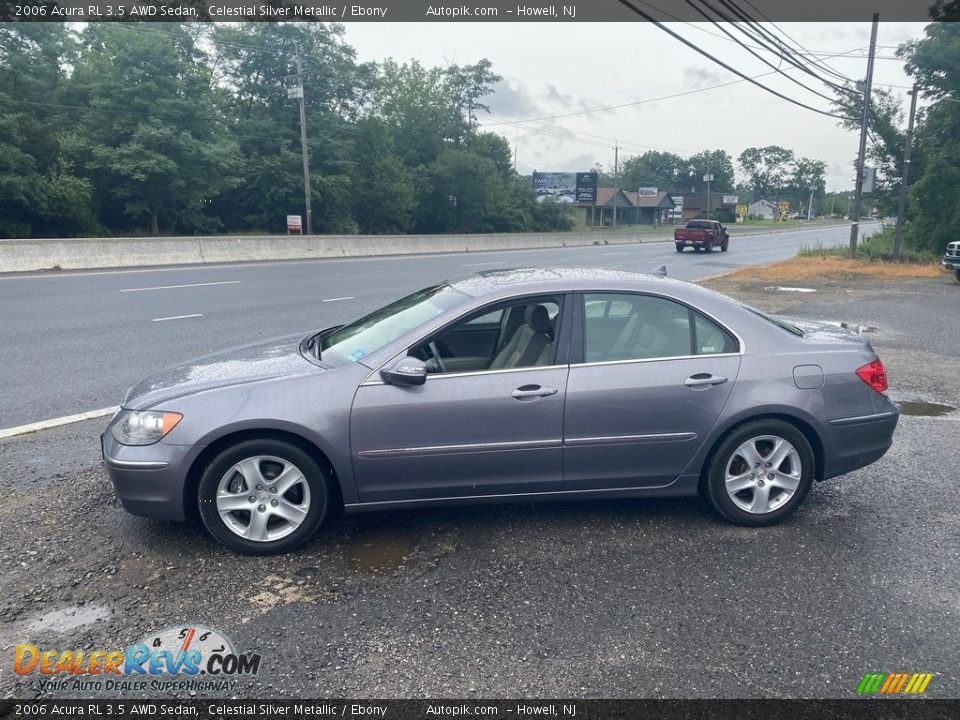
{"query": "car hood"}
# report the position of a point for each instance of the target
(277, 357)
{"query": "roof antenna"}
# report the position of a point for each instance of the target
(660, 271)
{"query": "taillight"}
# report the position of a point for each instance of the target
(874, 375)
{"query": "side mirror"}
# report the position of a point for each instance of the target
(407, 371)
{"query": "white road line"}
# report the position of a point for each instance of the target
(56, 422)
(350, 297)
(177, 317)
(172, 287)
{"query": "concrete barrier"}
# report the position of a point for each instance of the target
(23, 255)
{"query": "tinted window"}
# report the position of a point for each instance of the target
(711, 338)
(640, 327)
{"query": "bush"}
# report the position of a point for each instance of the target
(876, 247)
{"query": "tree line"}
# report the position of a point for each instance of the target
(170, 129)
(770, 173)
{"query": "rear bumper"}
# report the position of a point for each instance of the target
(855, 442)
(148, 480)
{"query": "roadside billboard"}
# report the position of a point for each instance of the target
(586, 187)
(731, 199)
(566, 186)
(676, 213)
(647, 192)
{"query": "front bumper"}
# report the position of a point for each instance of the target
(855, 442)
(951, 262)
(149, 480)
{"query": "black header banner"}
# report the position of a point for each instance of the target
(922, 709)
(472, 11)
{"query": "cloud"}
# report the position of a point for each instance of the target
(510, 97)
(698, 76)
(567, 102)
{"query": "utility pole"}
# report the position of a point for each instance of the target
(905, 176)
(861, 158)
(303, 144)
(810, 206)
(709, 179)
(616, 180)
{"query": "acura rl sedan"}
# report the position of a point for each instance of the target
(507, 385)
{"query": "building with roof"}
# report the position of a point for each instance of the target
(631, 208)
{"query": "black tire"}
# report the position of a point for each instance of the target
(709, 246)
(956, 274)
(726, 454)
(723, 248)
(316, 481)
(679, 247)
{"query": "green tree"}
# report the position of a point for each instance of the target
(719, 164)
(934, 194)
(767, 169)
(808, 176)
(653, 168)
(257, 66)
(381, 186)
(40, 194)
(153, 142)
(885, 146)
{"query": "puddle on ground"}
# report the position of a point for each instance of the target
(68, 618)
(924, 409)
(382, 551)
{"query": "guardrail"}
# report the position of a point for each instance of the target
(23, 255)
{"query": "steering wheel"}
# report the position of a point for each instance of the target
(436, 355)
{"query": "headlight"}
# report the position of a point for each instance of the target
(143, 427)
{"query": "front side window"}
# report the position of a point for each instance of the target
(513, 335)
(641, 327)
(355, 341)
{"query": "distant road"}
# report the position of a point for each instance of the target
(75, 341)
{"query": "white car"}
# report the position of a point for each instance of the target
(951, 260)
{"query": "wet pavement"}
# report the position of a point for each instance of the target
(652, 598)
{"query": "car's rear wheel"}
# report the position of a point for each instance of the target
(709, 246)
(760, 473)
(261, 497)
(679, 247)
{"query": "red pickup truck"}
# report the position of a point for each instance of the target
(702, 235)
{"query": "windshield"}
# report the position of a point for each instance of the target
(355, 341)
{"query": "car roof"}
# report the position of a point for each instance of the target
(504, 282)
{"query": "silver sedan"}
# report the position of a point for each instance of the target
(507, 385)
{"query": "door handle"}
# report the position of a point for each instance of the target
(532, 391)
(703, 380)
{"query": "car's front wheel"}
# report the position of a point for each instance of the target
(760, 473)
(726, 244)
(956, 274)
(261, 497)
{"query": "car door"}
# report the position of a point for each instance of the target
(648, 382)
(462, 434)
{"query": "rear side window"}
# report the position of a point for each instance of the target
(623, 326)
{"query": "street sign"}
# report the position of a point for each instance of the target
(708, 177)
(730, 199)
(295, 92)
(294, 224)
(869, 179)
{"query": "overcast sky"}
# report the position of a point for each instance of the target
(561, 68)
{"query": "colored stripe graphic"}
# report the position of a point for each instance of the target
(894, 683)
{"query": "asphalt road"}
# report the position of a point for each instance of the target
(75, 341)
(652, 598)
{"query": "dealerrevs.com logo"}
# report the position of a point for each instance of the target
(894, 683)
(174, 658)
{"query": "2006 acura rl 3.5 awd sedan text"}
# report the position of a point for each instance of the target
(506, 385)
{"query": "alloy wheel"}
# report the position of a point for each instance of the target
(762, 474)
(263, 498)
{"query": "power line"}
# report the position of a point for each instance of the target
(762, 59)
(693, 46)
